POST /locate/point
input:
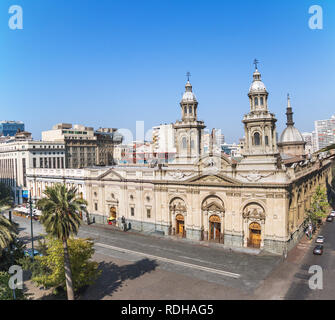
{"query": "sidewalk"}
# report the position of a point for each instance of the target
(252, 251)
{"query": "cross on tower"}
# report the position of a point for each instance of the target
(188, 74)
(256, 62)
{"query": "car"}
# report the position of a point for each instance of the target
(318, 250)
(29, 253)
(320, 239)
(329, 219)
(332, 214)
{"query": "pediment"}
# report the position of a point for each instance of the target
(215, 161)
(214, 179)
(110, 175)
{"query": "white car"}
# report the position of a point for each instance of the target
(332, 214)
(320, 239)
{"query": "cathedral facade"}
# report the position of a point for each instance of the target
(259, 202)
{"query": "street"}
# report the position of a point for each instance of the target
(299, 289)
(161, 268)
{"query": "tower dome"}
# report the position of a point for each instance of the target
(291, 140)
(257, 85)
(188, 95)
(291, 133)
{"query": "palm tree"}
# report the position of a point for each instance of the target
(8, 231)
(60, 217)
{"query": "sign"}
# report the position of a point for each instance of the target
(25, 194)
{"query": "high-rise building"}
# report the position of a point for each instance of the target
(325, 132)
(10, 128)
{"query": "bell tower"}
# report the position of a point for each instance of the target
(188, 131)
(259, 123)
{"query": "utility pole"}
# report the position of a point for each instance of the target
(31, 224)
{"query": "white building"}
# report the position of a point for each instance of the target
(325, 132)
(19, 153)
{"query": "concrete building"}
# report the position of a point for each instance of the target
(308, 138)
(10, 128)
(20, 153)
(259, 202)
(163, 140)
(84, 146)
(325, 132)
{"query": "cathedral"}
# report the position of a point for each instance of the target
(258, 202)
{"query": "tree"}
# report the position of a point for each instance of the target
(6, 197)
(51, 266)
(60, 217)
(319, 205)
(8, 232)
(6, 293)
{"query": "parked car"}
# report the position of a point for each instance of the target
(329, 219)
(332, 214)
(318, 250)
(29, 253)
(320, 239)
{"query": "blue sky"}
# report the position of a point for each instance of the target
(110, 63)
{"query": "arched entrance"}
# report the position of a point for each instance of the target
(112, 216)
(254, 224)
(213, 213)
(178, 212)
(214, 228)
(255, 235)
(180, 225)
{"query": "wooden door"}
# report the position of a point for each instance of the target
(180, 225)
(255, 235)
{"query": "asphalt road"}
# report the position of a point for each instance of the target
(232, 269)
(300, 290)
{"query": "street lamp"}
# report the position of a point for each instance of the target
(31, 225)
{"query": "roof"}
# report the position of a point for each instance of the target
(291, 134)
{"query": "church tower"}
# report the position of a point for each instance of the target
(291, 141)
(259, 123)
(188, 131)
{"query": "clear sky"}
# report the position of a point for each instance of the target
(111, 62)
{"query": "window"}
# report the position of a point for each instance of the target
(192, 144)
(266, 140)
(185, 110)
(190, 109)
(184, 143)
(95, 206)
(256, 101)
(257, 139)
(132, 211)
(34, 162)
(148, 213)
(262, 101)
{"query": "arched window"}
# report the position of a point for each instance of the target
(266, 140)
(257, 139)
(192, 144)
(184, 143)
(256, 101)
(190, 110)
(262, 101)
(185, 110)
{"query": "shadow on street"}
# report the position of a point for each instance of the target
(113, 277)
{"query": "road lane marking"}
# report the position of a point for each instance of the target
(194, 266)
